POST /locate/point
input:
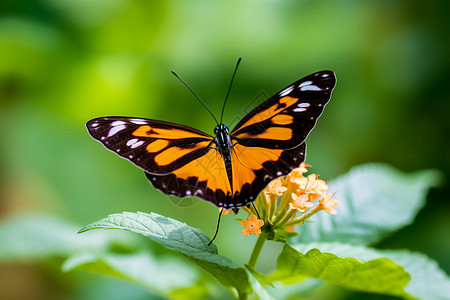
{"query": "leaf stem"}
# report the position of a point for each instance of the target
(257, 249)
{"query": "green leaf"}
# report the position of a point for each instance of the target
(198, 291)
(428, 281)
(161, 275)
(176, 235)
(373, 201)
(228, 273)
(376, 276)
(170, 233)
(260, 285)
(262, 279)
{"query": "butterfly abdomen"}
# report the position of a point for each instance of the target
(224, 146)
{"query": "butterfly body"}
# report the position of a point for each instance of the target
(232, 167)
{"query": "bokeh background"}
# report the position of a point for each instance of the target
(65, 62)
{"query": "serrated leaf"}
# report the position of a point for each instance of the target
(373, 201)
(376, 276)
(170, 233)
(428, 281)
(159, 275)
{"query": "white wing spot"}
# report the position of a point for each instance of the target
(116, 129)
(301, 109)
(138, 121)
(304, 105)
(117, 123)
(286, 91)
(279, 173)
(130, 156)
(131, 142)
(310, 88)
(118, 150)
(94, 125)
(305, 83)
(324, 75)
(135, 145)
(188, 193)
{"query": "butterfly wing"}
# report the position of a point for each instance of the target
(269, 141)
(284, 120)
(177, 159)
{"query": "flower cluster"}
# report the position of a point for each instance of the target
(287, 202)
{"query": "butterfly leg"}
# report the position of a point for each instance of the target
(217, 228)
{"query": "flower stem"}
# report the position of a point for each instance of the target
(257, 249)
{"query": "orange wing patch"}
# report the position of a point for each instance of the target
(270, 111)
(210, 168)
(271, 133)
(157, 145)
(282, 119)
(170, 134)
(173, 153)
(246, 160)
(143, 131)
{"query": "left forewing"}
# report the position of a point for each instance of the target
(157, 147)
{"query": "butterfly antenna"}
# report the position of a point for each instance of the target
(257, 213)
(229, 88)
(196, 96)
(217, 228)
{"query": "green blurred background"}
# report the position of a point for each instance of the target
(63, 62)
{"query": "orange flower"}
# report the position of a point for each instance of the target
(300, 203)
(312, 186)
(290, 228)
(328, 204)
(275, 189)
(252, 225)
(296, 174)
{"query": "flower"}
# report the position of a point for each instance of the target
(328, 204)
(290, 228)
(275, 188)
(292, 179)
(300, 203)
(312, 186)
(287, 202)
(252, 225)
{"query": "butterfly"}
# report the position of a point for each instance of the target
(229, 168)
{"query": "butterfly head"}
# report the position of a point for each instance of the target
(221, 128)
(223, 139)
